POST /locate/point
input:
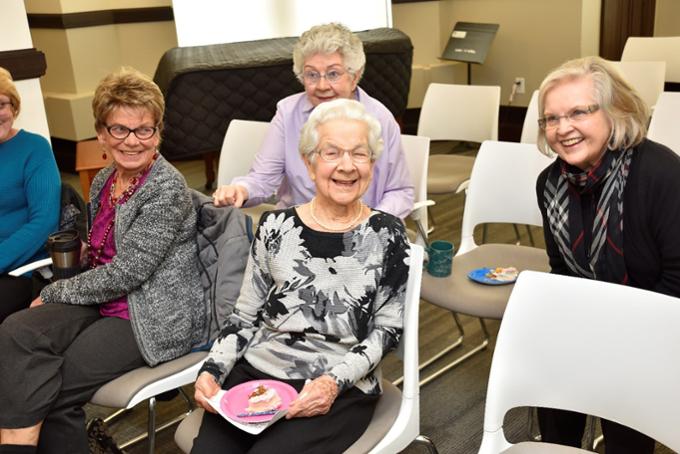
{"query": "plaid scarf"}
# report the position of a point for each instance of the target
(562, 199)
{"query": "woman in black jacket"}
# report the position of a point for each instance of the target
(610, 204)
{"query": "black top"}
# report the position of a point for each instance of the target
(651, 220)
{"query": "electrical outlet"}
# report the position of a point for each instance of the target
(521, 89)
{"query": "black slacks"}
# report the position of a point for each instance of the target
(54, 358)
(330, 433)
(567, 427)
(15, 294)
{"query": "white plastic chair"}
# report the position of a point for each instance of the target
(502, 189)
(457, 112)
(417, 152)
(396, 421)
(544, 357)
(664, 126)
(647, 77)
(530, 125)
(655, 49)
(242, 141)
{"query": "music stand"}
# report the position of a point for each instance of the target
(469, 43)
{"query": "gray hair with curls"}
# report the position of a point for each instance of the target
(339, 109)
(328, 39)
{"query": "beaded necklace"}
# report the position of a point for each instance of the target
(95, 253)
(344, 227)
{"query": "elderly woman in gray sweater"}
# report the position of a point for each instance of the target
(139, 302)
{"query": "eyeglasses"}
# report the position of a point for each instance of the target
(121, 132)
(575, 115)
(5, 104)
(314, 77)
(359, 155)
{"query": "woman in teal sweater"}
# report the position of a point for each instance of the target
(30, 187)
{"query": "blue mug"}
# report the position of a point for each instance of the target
(441, 256)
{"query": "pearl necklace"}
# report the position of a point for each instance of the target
(344, 227)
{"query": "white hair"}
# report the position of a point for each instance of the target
(328, 39)
(347, 109)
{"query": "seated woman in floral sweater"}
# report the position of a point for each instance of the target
(324, 301)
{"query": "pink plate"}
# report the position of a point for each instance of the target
(235, 400)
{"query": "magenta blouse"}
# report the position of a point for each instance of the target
(106, 215)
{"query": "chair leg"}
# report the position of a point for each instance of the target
(432, 224)
(151, 426)
(457, 343)
(517, 235)
(531, 236)
(468, 354)
(423, 440)
(152, 423)
(115, 415)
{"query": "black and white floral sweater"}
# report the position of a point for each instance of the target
(315, 303)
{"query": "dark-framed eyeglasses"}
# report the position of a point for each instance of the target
(575, 115)
(359, 155)
(314, 77)
(5, 105)
(121, 132)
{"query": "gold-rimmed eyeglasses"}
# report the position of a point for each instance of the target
(359, 155)
(575, 115)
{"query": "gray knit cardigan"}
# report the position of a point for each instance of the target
(155, 265)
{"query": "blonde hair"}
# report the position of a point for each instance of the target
(328, 39)
(344, 109)
(127, 87)
(627, 113)
(8, 89)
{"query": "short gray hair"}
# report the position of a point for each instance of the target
(343, 109)
(627, 113)
(328, 39)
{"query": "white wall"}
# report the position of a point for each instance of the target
(16, 36)
(226, 21)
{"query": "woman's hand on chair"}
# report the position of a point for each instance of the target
(315, 398)
(231, 194)
(206, 387)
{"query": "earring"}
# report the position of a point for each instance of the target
(104, 155)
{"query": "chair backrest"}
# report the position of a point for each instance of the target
(655, 49)
(647, 77)
(664, 127)
(593, 347)
(241, 143)
(407, 425)
(460, 112)
(502, 187)
(90, 159)
(530, 125)
(417, 151)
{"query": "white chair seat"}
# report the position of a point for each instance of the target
(530, 447)
(446, 173)
(129, 389)
(458, 293)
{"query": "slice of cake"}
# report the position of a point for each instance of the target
(503, 274)
(263, 399)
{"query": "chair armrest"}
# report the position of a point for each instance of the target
(31, 267)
